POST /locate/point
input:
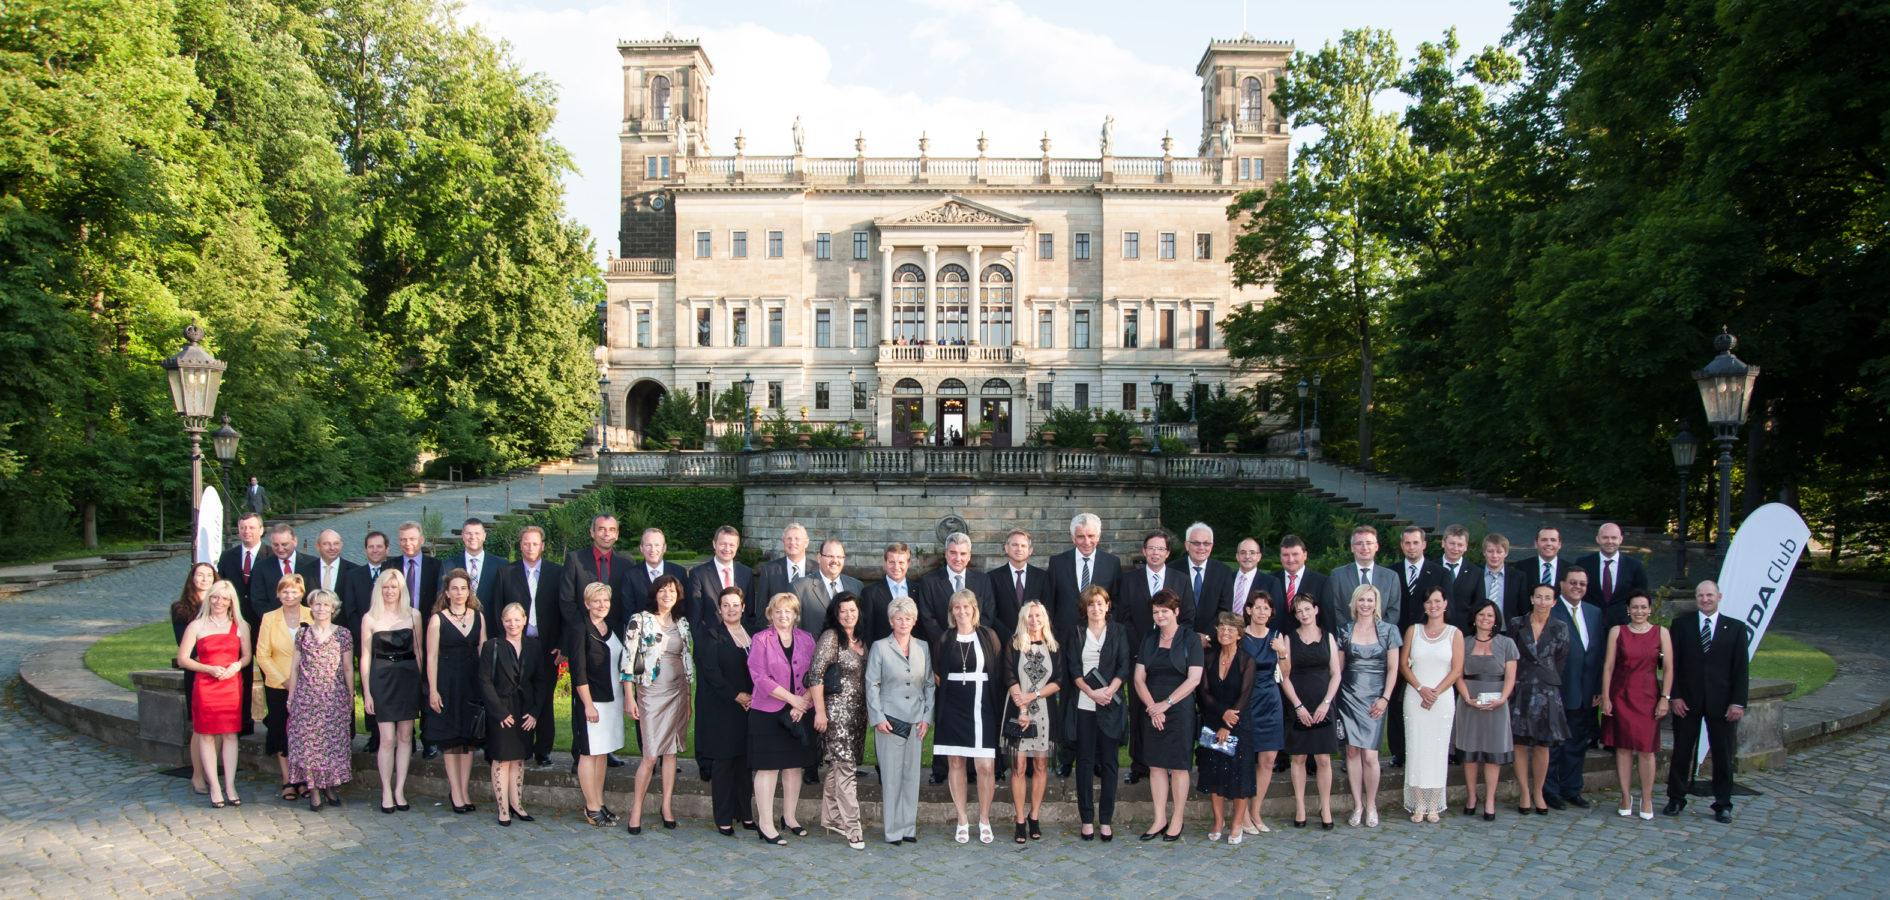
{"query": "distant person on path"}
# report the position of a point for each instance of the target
(216, 649)
(256, 499)
(1710, 654)
(1613, 576)
(196, 585)
(321, 703)
(1632, 704)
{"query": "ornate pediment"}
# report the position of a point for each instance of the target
(956, 211)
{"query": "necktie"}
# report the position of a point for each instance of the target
(328, 576)
(1154, 581)
(1082, 584)
(1242, 587)
(1292, 585)
(1706, 633)
(603, 566)
(1453, 572)
(1493, 588)
(531, 582)
(1607, 580)
(246, 561)
(793, 573)
(958, 583)
(413, 582)
(1364, 575)
(727, 581)
(1020, 586)
(1548, 573)
(833, 589)
(1410, 576)
(286, 571)
(473, 569)
(1197, 583)
(899, 590)
(1581, 628)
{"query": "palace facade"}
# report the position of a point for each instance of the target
(955, 290)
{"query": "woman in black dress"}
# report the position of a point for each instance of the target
(453, 642)
(972, 682)
(1313, 665)
(722, 698)
(513, 681)
(1227, 685)
(1536, 716)
(1166, 673)
(391, 671)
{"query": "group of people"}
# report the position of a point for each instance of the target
(785, 669)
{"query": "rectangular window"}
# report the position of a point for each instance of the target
(1168, 245)
(820, 395)
(656, 167)
(1246, 169)
(1131, 245)
(1043, 395)
(738, 328)
(738, 244)
(860, 336)
(1204, 246)
(643, 328)
(774, 245)
(702, 327)
(1046, 246)
(1167, 336)
(1259, 169)
(823, 329)
(1046, 329)
(774, 328)
(1128, 397)
(1079, 330)
(859, 245)
(702, 397)
(1203, 329)
(1131, 330)
(823, 245)
(859, 395)
(1080, 248)
(702, 245)
(1082, 396)
(774, 395)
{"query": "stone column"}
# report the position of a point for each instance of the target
(931, 293)
(977, 288)
(1017, 290)
(885, 294)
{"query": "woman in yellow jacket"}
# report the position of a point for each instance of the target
(275, 653)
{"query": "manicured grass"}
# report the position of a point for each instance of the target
(74, 550)
(1784, 658)
(144, 647)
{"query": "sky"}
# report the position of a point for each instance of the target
(951, 69)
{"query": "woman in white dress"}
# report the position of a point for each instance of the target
(1431, 664)
(596, 654)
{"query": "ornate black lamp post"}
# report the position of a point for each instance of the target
(748, 412)
(223, 442)
(1684, 447)
(1155, 384)
(1302, 387)
(1725, 390)
(195, 378)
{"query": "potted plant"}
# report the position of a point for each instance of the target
(803, 413)
(1145, 413)
(803, 433)
(977, 434)
(1099, 434)
(1137, 441)
(919, 430)
(1232, 441)
(857, 429)
(675, 443)
(1048, 436)
(767, 440)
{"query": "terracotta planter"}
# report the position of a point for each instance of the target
(675, 443)
(1049, 436)
(1100, 438)
(803, 438)
(767, 440)
(918, 437)
(1137, 442)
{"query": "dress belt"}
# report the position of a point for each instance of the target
(394, 657)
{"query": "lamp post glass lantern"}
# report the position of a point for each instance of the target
(195, 377)
(1155, 444)
(1726, 391)
(223, 442)
(603, 414)
(1684, 447)
(748, 412)
(1302, 388)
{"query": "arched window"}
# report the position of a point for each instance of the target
(1251, 98)
(996, 387)
(952, 387)
(954, 304)
(908, 388)
(659, 98)
(994, 301)
(908, 303)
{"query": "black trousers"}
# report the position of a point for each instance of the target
(732, 789)
(275, 720)
(1722, 736)
(1137, 713)
(545, 733)
(1394, 727)
(1565, 761)
(1095, 750)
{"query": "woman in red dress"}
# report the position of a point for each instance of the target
(216, 647)
(1630, 706)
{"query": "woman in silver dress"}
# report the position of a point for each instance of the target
(660, 667)
(1371, 647)
(1033, 670)
(840, 716)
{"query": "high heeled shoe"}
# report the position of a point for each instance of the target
(1022, 837)
(669, 824)
(1087, 835)
(520, 815)
(1036, 830)
(776, 840)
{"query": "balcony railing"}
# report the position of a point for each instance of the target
(1015, 464)
(643, 266)
(949, 353)
(936, 170)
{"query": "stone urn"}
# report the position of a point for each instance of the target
(802, 438)
(1100, 437)
(675, 443)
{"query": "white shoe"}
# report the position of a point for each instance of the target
(984, 832)
(1215, 835)
(1233, 838)
(963, 834)
(1649, 815)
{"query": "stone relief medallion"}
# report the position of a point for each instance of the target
(952, 522)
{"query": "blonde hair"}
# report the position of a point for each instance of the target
(969, 598)
(508, 610)
(390, 575)
(783, 599)
(1361, 591)
(291, 580)
(221, 587)
(596, 589)
(320, 596)
(901, 606)
(1021, 638)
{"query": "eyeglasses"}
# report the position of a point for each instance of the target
(1200, 543)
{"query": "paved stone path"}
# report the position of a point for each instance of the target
(78, 818)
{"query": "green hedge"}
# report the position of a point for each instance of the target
(1268, 516)
(687, 515)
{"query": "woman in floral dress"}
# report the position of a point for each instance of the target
(321, 703)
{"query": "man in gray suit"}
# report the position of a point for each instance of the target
(816, 591)
(256, 499)
(1363, 570)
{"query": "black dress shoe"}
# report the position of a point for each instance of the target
(1063, 770)
(544, 759)
(1722, 816)
(1132, 777)
(373, 745)
(432, 752)
(1489, 817)
(1397, 762)
(613, 762)
(519, 815)
(1579, 802)
(1556, 804)
(1150, 835)
(910, 839)
(935, 778)
(402, 807)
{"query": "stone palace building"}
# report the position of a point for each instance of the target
(954, 290)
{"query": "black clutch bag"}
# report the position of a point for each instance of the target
(830, 682)
(1014, 732)
(796, 728)
(478, 727)
(1094, 679)
(900, 727)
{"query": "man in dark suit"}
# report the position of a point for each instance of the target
(1297, 580)
(937, 587)
(1417, 577)
(1495, 582)
(1248, 578)
(879, 595)
(330, 568)
(357, 597)
(705, 582)
(482, 566)
(1456, 543)
(1711, 652)
(423, 588)
(602, 563)
(256, 499)
(638, 578)
(1363, 569)
(1077, 568)
(1135, 610)
(1613, 576)
(1581, 689)
(1016, 583)
(237, 566)
(283, 560)
(777, 576)
(1210, 581)
(1547, 565)
(535, 584)
(816, 591)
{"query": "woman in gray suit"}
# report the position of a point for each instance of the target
(899, 707)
